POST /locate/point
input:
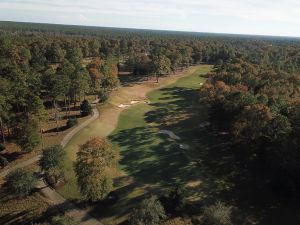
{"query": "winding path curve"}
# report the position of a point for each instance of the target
(63, 143)
(79, 214)
(67, 206)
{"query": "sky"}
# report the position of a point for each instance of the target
(264, 17)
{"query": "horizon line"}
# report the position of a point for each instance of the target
(159, 30)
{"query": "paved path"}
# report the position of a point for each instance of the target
(66, 206)
(63, 143)
(78, 214)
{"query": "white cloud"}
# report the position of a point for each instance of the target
(162, 14)
(83, 18)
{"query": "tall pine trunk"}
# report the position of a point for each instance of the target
(2, 130)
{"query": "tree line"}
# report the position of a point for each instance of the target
(50, 66)
(258, 106)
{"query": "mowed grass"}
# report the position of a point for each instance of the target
(151, 161)
(104, 125)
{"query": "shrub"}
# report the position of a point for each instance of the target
(85, 108)
(150, 212)
(20, 183)
(72, 122)
(103, 95)
(3, 161)
(52, 162)
(173, 199)
(2, 147)
(218, 214)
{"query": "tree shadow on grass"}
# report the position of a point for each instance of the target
(223, 176)
(211, 161)
(148, 158)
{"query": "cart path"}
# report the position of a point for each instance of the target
(80, 215)
(63, 143)
(55, 198)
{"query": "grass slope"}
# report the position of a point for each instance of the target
(150, 160)
(107, 122)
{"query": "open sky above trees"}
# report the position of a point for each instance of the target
(270, 17)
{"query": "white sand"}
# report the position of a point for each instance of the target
(184, 146)
(123, 106)
(223, 133)
(170, 133)
(205, 124)
(173, 137)
(133, 102)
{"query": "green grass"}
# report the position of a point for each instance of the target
(70, 190)
(151, 160)
(143, 150)
(210, 170)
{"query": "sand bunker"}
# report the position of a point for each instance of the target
(184, 146)
(123, 105)
(170, 133)
(173, 137)
(133, 102)
(223, 133)
(205, 124)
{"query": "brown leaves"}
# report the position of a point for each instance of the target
(97, 151)
(252, 122)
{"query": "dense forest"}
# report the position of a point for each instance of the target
(252, 93)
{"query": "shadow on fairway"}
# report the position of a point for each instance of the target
(210, 163)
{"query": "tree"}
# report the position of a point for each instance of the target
(103, 95)
(52, 162)
(150, 212)
(162, 65)
(27, 135)
(109, 79)
(94, 158)
(20, 183)
(74, 53)
(55, 53)
(85, 108)
(278, 129)
(94, 47)
(5, 105)
(253, 122)
(83, 82)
